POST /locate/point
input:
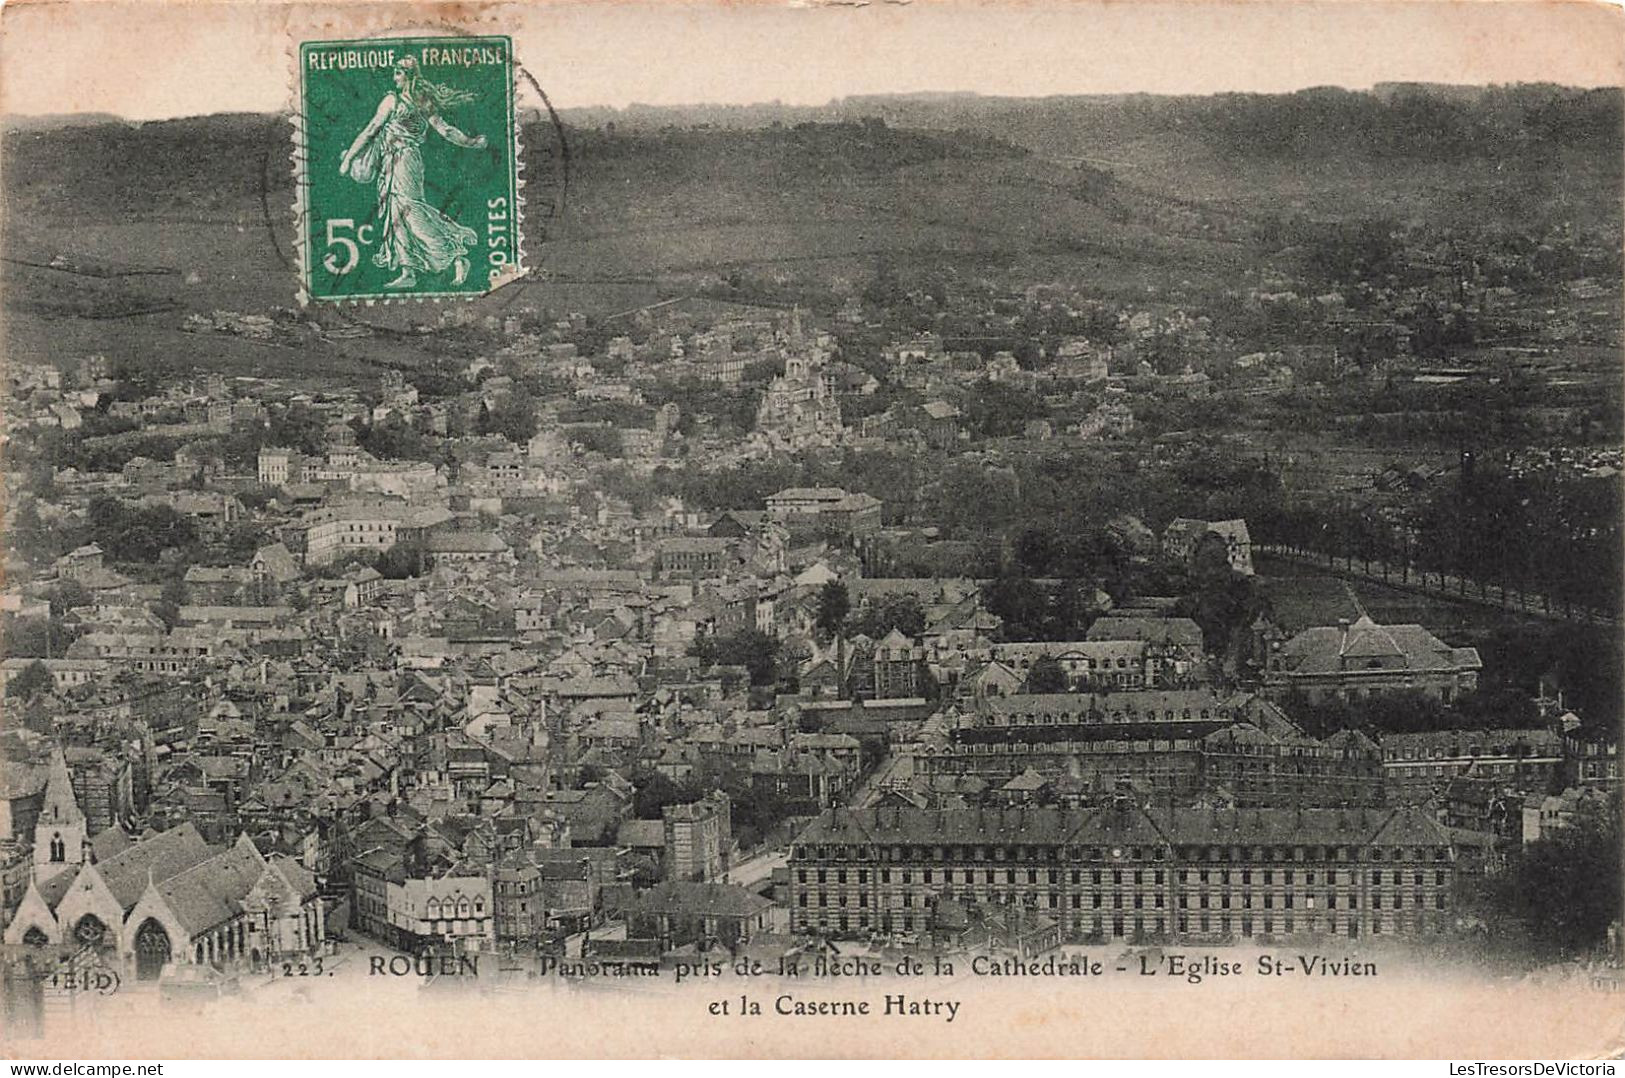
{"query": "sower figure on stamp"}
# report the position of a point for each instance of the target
(415, 237)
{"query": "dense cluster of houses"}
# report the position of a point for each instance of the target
(485, 704)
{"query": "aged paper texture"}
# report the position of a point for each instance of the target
(983, 529)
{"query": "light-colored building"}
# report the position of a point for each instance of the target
(698, 839)
(450, 910)
(1183, 538)
(1420, 764)
(1545, 815)
(279, 467)
(1124, 872)
(1354, 661)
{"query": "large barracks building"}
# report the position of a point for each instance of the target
(1182, 745)
(1124, 871)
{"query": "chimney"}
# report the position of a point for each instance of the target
(1343, 635)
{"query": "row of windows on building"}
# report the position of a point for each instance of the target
(1481, 769)
(1261, 757)
(454, 926)
(435, 908)
(1096, 718)
(1394, 899)
(1123, 926)
(1117, 877)
(1457, 752)
(1073, 665)
(1274, 854)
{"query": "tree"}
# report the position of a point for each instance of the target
(603, 440)
(1564, 888)
(403, 560)
(1019, 602)
(517, 421)
(37, 638)
(298, 426)
(756, 651)
(395, 439)
(138, 376)
(880, 616)
(170, 600)
(1046, 675)
(68, 594)
(139, 534)
(834, 603)
(31, 680)
(655, 791)
(32, 537)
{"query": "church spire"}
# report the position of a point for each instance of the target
(60, 840)
(60, 807)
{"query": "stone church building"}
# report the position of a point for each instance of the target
(162, 899)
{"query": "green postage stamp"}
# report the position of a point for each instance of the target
(406, 165)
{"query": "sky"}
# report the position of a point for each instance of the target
(154, 60)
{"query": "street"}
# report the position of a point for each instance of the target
(756, 868)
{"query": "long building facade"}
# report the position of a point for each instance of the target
(1181, 747)
(1128, 872)
(1174, 763)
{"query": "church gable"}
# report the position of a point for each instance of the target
(33, 916)
(153, 906)
(89, 896)
(270, 892)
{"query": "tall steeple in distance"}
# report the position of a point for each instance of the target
(59, 833)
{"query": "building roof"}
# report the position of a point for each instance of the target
(465, 542)
(157, 857)
(808, 494)
(622, 950)
(1109, 827)
(682, 898)
(1149, 703)
(1336, 649)
(211, 892)
(693, 544)
(110, 842)
(299, 878)
(1181, 632)
(1029, 781)
(59, 806)
(1540, 741)
(1184, 527)
(1099, 650)
(642, 834)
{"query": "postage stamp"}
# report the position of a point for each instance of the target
(406, 162)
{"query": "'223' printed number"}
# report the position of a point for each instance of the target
(352, 252)
(313, 968)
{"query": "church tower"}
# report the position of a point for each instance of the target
(59, 834)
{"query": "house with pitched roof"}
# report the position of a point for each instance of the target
(1356, 660)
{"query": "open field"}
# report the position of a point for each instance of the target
(1303, 596)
